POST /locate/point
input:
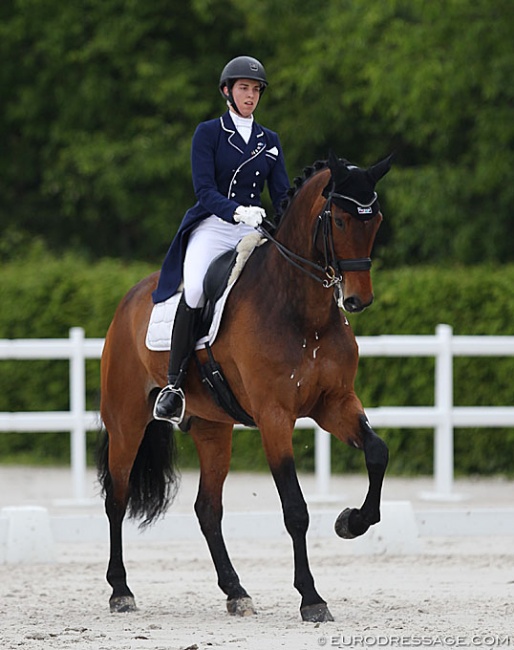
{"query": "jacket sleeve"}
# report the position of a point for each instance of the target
(203, 164)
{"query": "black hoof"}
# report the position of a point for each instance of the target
(342, 525)
(241, 607)
(350, 524)
(123, 604)
(316, 613)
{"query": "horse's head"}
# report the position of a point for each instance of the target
(348, 225)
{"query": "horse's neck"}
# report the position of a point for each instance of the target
(303, 298)
(297, 228)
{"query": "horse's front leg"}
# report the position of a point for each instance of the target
(296, 519)
(213, 443)
(353, 522)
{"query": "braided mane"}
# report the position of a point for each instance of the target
(298, 182)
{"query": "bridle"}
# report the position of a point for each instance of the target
(331, 273)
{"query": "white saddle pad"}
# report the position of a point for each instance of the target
(158, 335)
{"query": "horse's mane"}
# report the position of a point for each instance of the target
(298, 182)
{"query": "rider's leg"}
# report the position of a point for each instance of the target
(210, 238)
(170, 403)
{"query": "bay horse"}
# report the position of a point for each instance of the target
(286, 350)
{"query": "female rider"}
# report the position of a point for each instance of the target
(232, 158)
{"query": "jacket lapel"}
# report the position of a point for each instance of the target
(256, 144)
(233, 137)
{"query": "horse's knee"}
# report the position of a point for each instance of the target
(296, 518)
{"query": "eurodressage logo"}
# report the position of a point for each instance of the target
(364, 210)
(416, 641)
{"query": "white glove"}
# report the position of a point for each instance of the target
(251, 215)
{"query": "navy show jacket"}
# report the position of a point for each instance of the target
(227, 173)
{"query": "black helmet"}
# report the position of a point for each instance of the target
(242, 67)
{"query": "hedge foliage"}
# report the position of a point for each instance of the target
(43, 297)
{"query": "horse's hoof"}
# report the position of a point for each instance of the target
(241, 607)
(316, 613)
(123, 604)
(342, 524)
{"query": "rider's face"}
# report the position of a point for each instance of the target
(246, 94)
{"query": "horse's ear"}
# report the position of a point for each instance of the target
(338, 173)
(333, 161)
(338, 168)
(380, 169)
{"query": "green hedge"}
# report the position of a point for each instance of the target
(43, 297)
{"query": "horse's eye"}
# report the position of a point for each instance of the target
(339, 222)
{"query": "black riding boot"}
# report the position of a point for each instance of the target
(170, 403)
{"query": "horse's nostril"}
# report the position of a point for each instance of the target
(352, 304)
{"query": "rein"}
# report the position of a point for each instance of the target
(334, 268)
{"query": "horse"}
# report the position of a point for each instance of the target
(286, 350)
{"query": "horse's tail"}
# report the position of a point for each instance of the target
(154, 478)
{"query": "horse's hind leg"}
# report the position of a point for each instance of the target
(356, 521)
(115, 474)
(213, 443)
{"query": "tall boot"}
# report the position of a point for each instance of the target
(171, 403)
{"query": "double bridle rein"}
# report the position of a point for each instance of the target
(333, 269)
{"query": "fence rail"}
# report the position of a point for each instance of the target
(443, 416)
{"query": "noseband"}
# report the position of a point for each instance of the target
(333, 268)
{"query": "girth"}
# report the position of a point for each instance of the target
(214, 380)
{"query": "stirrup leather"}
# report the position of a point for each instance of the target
(176, 418)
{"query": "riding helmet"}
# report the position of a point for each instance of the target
(242, 67)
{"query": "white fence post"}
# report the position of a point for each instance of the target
(443, 438)
(78, 409)
(322, 463)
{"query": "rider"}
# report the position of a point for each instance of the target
(232, 157)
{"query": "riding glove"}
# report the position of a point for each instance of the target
(251, 215)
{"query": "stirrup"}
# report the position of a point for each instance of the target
(174, 418)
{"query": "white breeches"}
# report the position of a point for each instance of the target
(209, 239)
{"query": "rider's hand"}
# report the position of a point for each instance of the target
(251, 215)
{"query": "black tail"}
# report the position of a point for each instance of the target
(154, 479)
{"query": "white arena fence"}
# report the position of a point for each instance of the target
(443, 416)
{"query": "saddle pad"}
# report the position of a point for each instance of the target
(158, 335)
